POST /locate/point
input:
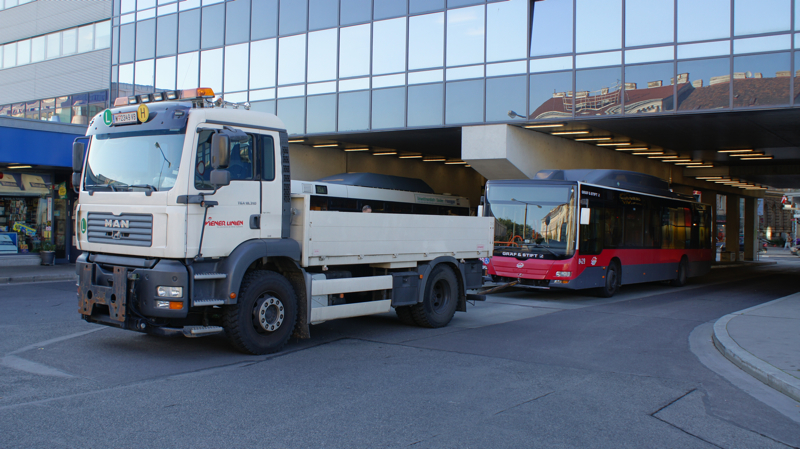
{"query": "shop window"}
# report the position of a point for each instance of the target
(25, 212)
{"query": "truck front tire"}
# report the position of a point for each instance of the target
(265, 316)
(440, 300)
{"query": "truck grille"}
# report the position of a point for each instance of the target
(123, 229)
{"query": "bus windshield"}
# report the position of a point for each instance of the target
(536, 219)
(126, 161)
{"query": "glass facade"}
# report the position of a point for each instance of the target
(95, 36)
(76, 109)
(327, 66)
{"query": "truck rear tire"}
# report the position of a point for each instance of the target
(265, 316)
(440, 300)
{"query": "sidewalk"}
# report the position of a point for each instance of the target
(764, 341)
(37, 273)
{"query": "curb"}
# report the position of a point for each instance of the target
(761, 370)
(38, 278)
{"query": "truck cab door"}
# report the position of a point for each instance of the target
(271, 187)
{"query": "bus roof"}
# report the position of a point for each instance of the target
(379, 181)
(619, 179)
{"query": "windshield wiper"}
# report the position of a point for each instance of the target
(145, 186)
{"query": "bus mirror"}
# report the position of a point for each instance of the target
(220, 150)
(585, 213)
(78, 150)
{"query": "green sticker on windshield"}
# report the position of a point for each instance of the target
(83, 226)
(107, 117)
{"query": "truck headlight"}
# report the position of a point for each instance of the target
(169, 292)
(563, 274)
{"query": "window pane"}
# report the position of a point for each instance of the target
(32, 110)
(23, 52)
(127, 44)
(292, 60)
(236, 58)
(354, 51)
(263, 106)
(355, 11)
(417, 6)
(465, 36)
(211, 69)
(457, 3)
(292, 112)
(264, 19)
(237, 21)
(551, 95)
(189, 31)
(262, 64)
(53, 46)
(144, 77)
(165, 73)
(85, 38)
(167, 38)
(795, 77)
(213, 26)
(552, 28)
(506, 28)
(102, 35)
(504, 95)
(761, 80)
(597, 91)
(37, 50)
(425, 105)
(321, 114)
(464, 102)
(761, 16)
(648, 88)
(10, 54)
(188, 71)
(425, 41)
(385, 9)
(145, 39)
(322, 55)
(703, 84)
(592, 13)
(323, 14)
(649, 22)
(389, 46)
(709, 19)
(48, 109)
(388, 108)
(125, 80)
(293, 17)
(69, 42)
(354, 111)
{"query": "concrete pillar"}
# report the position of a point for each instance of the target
(731, 228)
(750, 229)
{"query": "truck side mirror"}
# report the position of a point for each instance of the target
(220, 177)
(220, 151)
(78, 150)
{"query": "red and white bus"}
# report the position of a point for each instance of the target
(578, 229)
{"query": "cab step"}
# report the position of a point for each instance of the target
(207, 302)
(201, 331)
(207, 276)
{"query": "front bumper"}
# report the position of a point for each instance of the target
(125, 295)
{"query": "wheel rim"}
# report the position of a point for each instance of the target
(440, 295)
(268, 314)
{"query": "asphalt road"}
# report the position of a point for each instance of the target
(524, 369)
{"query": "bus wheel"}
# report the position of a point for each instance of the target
(440, 300)
(612, 281)
(680, 279)
(264, 318)
(405, 315)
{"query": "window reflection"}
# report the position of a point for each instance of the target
(464, 102)
(426, 41)
(703, 84)
(388, 108)
(354, 51)
(237, 21)
(322, 55)
(145, 39)
(591, 17)
(355, 11)
(262, 64)
(354, 111)
(425, 105)
(24, 50)
(321, 114)
(761, 80)
(263, 19)
(418, 6)
(323, 14)
(551, 95)
(213, 26)
(506, 26)
(503, 95)
(709, 19)
(385, 9)
(165, 73)
(389, 46)
(761, 16)
(127, 44)
(292, 17)
(188, 31)
(649, 22)
(552, 28)
(465, 30)
(144, 77)
(648, 88)
(188, 69)
(292, 59)
(597, 92)
(53, 45)
(292, 112)
(166, 37)
(211, 69)
(236, 58)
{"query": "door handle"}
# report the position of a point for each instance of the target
(255, 221)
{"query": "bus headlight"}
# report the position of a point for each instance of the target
(169, 292)
(563, 274)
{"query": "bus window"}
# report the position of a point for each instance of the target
(319, 203)
(399, 208)
(425, 209)
(633, 226)
(344, 205)
(613, 227)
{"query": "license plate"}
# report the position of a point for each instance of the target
(125, 118)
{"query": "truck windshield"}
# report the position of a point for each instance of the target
(127, 161)
(533, 219)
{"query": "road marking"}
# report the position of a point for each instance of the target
(18, 363)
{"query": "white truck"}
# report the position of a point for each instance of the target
(188, 227)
